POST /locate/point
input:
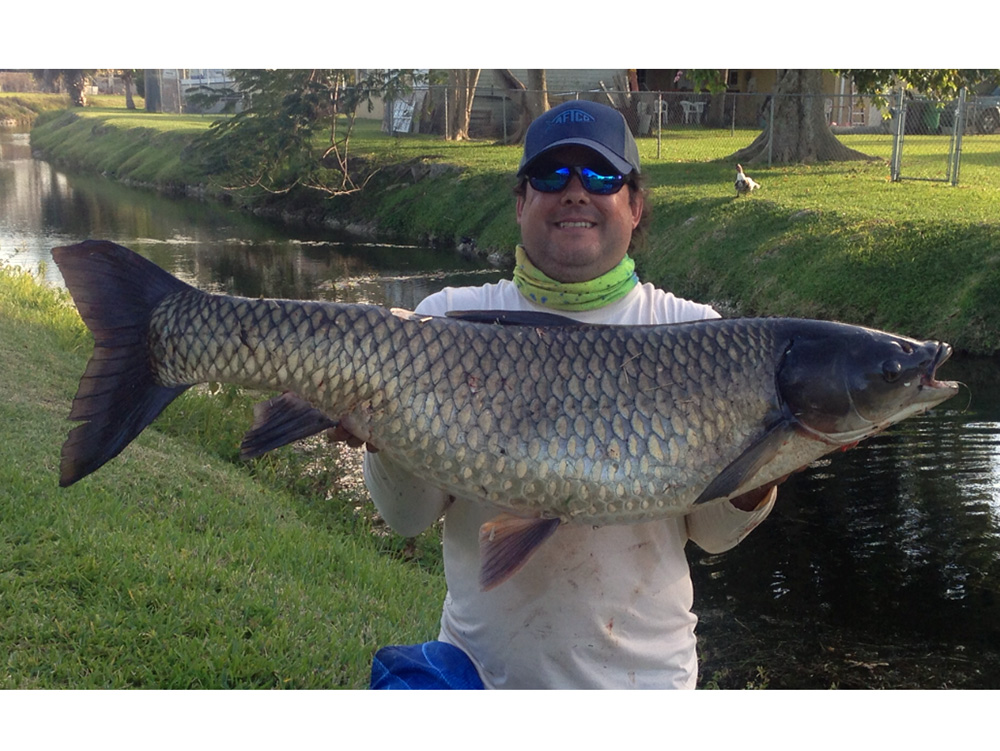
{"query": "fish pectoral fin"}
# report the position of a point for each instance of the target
(506, 542)
(282, 420)
(747, 464)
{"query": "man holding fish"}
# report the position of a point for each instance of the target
(594, 607)
(574, 427)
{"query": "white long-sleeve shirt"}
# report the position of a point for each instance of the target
(604, 607)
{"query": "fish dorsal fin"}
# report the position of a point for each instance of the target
(506, 542)
(747, 464)
(513, 317)
(280, 421)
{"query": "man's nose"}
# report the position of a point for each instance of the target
(574, 191)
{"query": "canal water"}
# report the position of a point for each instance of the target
(897, 540)
(210, 246)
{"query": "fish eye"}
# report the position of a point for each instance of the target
(891, 370)
(906, 347)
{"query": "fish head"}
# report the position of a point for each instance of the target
(845, 383)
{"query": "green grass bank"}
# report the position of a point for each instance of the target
(178, 566)
(837, 241)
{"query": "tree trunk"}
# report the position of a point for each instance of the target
(462, 87)
(531, 101)
(77, 84)
(799, 132)
(538, 93)
(127, 80)
(716, 114)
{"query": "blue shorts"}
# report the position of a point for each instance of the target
(431, 665)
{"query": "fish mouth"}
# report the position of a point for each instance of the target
(944, 351)
(929, 378)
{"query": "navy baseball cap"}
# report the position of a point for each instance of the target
(583, 123)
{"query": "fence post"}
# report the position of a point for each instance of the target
(503, 106)
(659, 122)
(770, 140)
(897, 139)
(956, 138)
(447, 130)
(951, 148)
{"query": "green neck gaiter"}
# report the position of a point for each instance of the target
(542, 289)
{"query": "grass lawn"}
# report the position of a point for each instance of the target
(177, 566)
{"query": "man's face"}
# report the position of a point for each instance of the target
(573, 235)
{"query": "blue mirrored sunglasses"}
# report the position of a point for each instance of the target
(557, 178)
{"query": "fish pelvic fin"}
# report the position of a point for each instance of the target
(506, 542)
(747, 464)
(116, 291)
(282, 420)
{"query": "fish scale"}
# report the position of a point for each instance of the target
(463, 383)
(552, 423)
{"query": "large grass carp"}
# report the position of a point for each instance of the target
(553, 423)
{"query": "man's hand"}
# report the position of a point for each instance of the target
(340, 434)
(756, 498)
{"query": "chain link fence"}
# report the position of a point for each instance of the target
(918, 139)
(943, 140)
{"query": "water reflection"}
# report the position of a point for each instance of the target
(338, 272)
(211, 246)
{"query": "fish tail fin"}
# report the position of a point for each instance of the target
(116, 291)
